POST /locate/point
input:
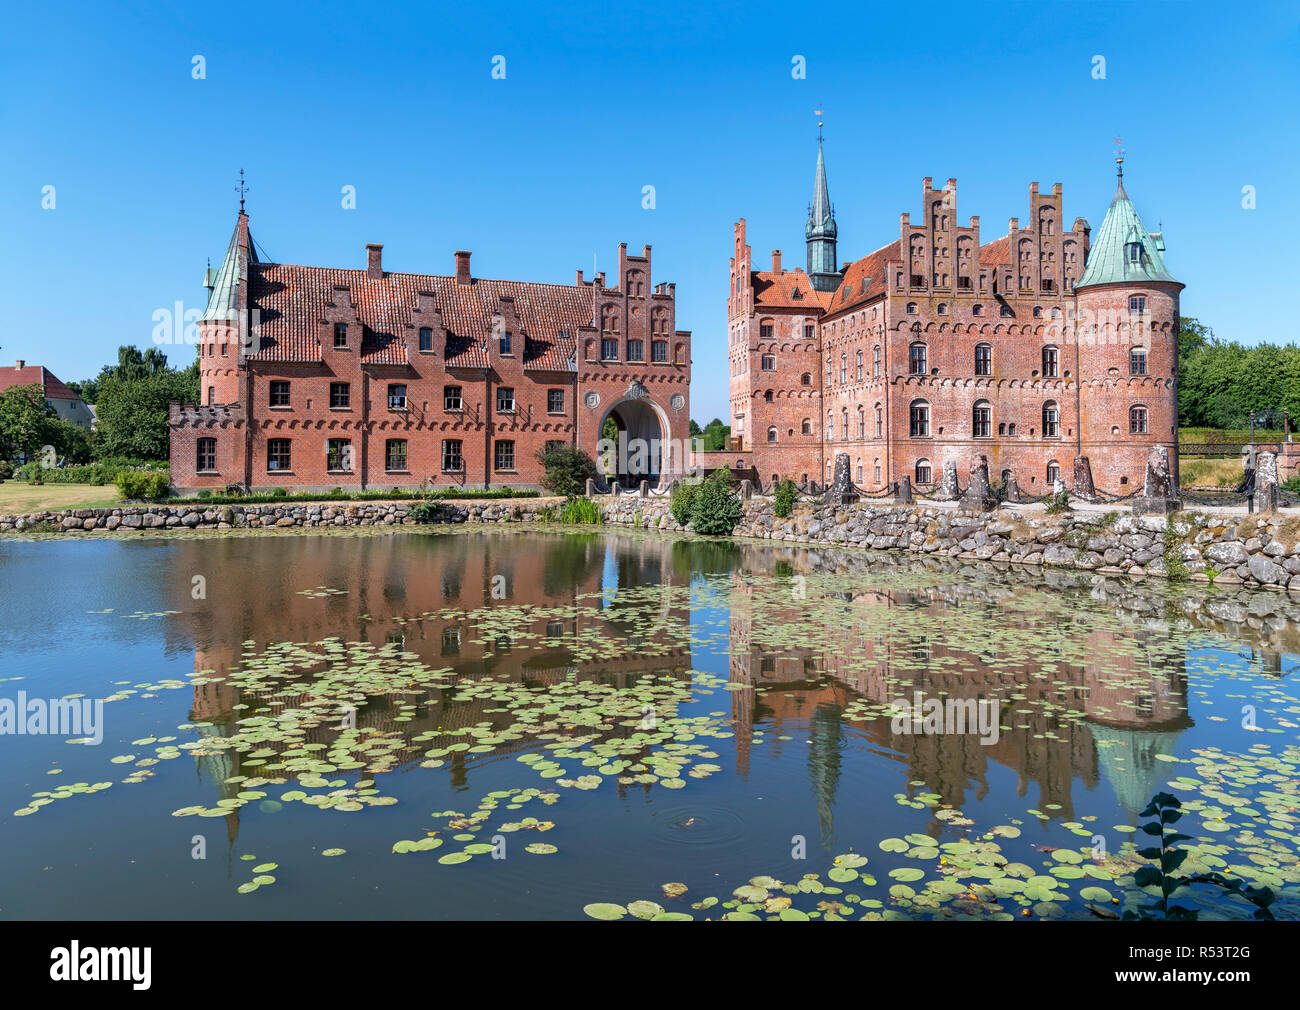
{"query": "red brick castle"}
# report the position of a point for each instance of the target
(1040, 346)
(314, 378)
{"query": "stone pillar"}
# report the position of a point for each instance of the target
(979, 497)
(643, 490)
(746, 490)
(591, 487)
(948, 489)
(1159, 496)
(903, 491)
(841, 491)
(1266, 482)
(615, 489)
(1084, 489)
(1013, 489)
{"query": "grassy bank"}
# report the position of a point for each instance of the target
(1221, 473)
(17, 497)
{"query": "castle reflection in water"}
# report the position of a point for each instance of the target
(421, 593)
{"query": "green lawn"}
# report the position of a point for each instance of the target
(18, 497)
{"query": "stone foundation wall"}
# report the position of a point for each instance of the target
(1253, 549)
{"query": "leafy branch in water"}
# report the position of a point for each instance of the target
(1168, 858)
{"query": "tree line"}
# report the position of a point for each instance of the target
(1222, 384)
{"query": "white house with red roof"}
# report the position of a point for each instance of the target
(67, 404)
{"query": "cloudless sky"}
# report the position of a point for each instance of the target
(541, 171)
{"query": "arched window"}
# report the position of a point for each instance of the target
(1051, 420)
(916, 360)
(982, 419)
(768, 363)
(858, 365)
(830, 426)
(1051, 362)
(806, 427)
(875, 360)
(880, 421)
(911, 308)
(766, 329)
(862, 422)
(844, 419)
(1053, 472)
(923, 475)
(859, 469)
(805, 379)
(1137, 361)
(1137, 420)
(977, 309)
(943, 308)
(1038, 312)
(767, 397)
(877, 469)
(844, 369)
(771, 434)
(983, 359)
(920, 419)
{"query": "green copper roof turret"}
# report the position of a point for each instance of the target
(223, 283)
(1123, 251)
(820, 233)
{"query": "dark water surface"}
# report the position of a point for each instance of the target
(656, 710)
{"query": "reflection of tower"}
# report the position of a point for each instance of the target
(1128, 760)
(826, 732)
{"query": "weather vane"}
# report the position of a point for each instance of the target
(819, 114)
(1119, 156)
(241, 189)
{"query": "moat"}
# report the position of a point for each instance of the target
(492, 724)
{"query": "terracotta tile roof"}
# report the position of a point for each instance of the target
(871, 269)
(779, 290)
(996, 252)
(36, 375)
(292, 301)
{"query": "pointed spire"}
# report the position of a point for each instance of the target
(820, 231)
(224, 284)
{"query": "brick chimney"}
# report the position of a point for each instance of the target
(21, 363)
(776, 261)
(374, 261)
(462, 267)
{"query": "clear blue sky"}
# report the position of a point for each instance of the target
(540, 171)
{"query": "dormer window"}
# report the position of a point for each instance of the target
(426, 338)
(1135, 252)
(503, 342)
(796, 295)
(340, 334)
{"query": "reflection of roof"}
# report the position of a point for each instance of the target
(36, 375)
(1128, 760)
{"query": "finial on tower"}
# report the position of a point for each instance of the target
(819, 114)
(1119, 156)
(241, 189)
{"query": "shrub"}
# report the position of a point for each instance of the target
(784, 498)
(6, 469)
(581, 511)
(279, 492)
(426, 511)
(1060, 502)
(681, 502)
(717, 508)
(142, 484)
(567, 470)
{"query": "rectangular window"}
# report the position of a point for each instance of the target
(396, 396)
(504, 455)
(916, 359)
(451, 399)
(503, 342)
(609, 348)
(505, 400)
(340, 395)
(1051, 422)
(1050, 363)
(809, 331)
(920, 420)
(768, 362)
(395, 454)
(279, 393)
(635, 350)
(338, 454)
(340, 334)
(659, 350)
(983, 359)
(1137, 303)
(1137, 362)
(555, 401)
(452, 460)
(983, 422)
(1137, 421)
(765, 331)
(426, 338)
(207, 454)
(277, 454)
